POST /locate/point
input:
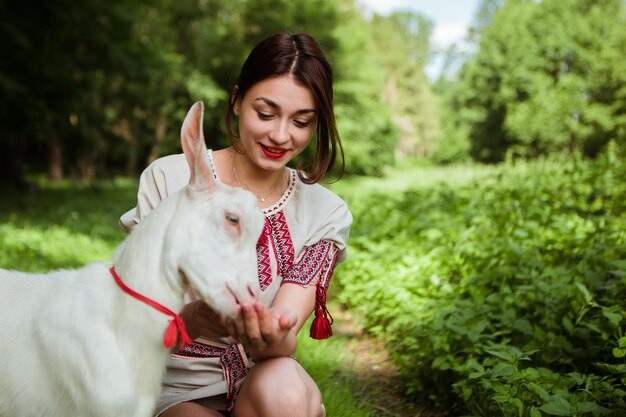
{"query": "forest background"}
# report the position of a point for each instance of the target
(99, 89)
(489, 245)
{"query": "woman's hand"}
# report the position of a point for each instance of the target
(202, 320)
(266, 332)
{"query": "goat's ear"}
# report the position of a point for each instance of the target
(194, 148)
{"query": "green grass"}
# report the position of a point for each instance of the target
(326, 361)
(398, 180)
(53, 226)
(65, 225)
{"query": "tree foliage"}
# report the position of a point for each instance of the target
(100, 88)
(402, 40)
(546, 78)
(97, 88)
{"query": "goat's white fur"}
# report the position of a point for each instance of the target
(72, 344)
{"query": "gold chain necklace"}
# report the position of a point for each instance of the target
(245, 184)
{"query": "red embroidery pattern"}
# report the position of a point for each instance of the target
(276, 238)
(263, 257)
(283, 244)
(212, 164)
(310, 265)
(286, 195)
(328, 268)
(231, 359)
(317, 262)
(201, 350)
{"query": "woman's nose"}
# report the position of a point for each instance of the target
(281, 132)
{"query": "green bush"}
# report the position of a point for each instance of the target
(504, 297)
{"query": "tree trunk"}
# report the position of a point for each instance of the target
(131, 158)
(159, 136)
(12, 162)
(55, 161)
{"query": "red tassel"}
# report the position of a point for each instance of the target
(176, 326)
(321, 326)
(175, 329)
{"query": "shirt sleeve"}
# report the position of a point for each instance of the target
(161, 178)
(316, 267)
(324, 216)
(335, 229)
(325, 247)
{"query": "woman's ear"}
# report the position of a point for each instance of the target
(234, 100)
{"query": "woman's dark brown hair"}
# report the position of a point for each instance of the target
(299, 55)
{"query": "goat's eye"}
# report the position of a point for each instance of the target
(232, 219)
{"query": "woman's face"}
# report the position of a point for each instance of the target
(277, 118)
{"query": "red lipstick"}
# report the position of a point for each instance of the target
(273, 153)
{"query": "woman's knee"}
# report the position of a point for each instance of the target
(279, 387)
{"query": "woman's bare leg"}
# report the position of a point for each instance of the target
(279, 387)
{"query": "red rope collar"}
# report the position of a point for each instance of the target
(176, 327)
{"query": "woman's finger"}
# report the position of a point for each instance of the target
(251, 328)
(267, 327)
(287, 320)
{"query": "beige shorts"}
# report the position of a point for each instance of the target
(206, 372)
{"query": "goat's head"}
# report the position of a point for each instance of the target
(213, 242)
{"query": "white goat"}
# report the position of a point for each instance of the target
(73, 344)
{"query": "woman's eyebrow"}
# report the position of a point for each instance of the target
(275, 105)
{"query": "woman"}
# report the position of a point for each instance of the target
(281, 102)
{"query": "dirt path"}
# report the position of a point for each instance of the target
(369, 361)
